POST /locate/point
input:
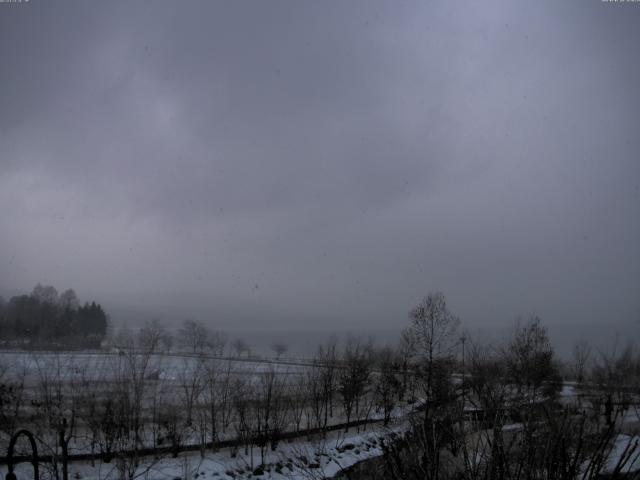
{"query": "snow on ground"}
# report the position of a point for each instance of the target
(568, 390)
(301, 459)
(625, 448)
(513, 427)
(102, 365)
(631, 416)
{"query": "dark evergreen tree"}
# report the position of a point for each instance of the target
(45, 319)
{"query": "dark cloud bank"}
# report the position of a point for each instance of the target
(322, 165)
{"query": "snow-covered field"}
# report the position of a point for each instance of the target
(91, 376)
(318, 457)
(101, 366)
(299, 459)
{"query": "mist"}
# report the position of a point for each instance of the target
(299, 166)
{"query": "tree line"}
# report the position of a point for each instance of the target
(46, 319)
(472, 410)
(502, 411)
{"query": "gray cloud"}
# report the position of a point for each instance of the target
(323, 163)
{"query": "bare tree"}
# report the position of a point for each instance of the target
(172, 424)
(190, 381)
(489, 394)
(45, 294)
(429, 340)
(327, 358)
(194, 336)
(406, 352)
(353, 377)
(297, 401)
(218, 343)
(212, 396)
(240, 346)
(242, 400)
(58, 405)
(93, 385)
(581, 356)
(279, 348)
(269, 411)
(315, 413)
(531, 361)
(12, 392)
(68, 299)
(133, 373)
(225, 393)
(508, 436)
(617, 374)
(153, 337)
(123, 338)
(386, 382)
(432, 334)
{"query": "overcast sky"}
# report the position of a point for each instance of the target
(324, 164)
